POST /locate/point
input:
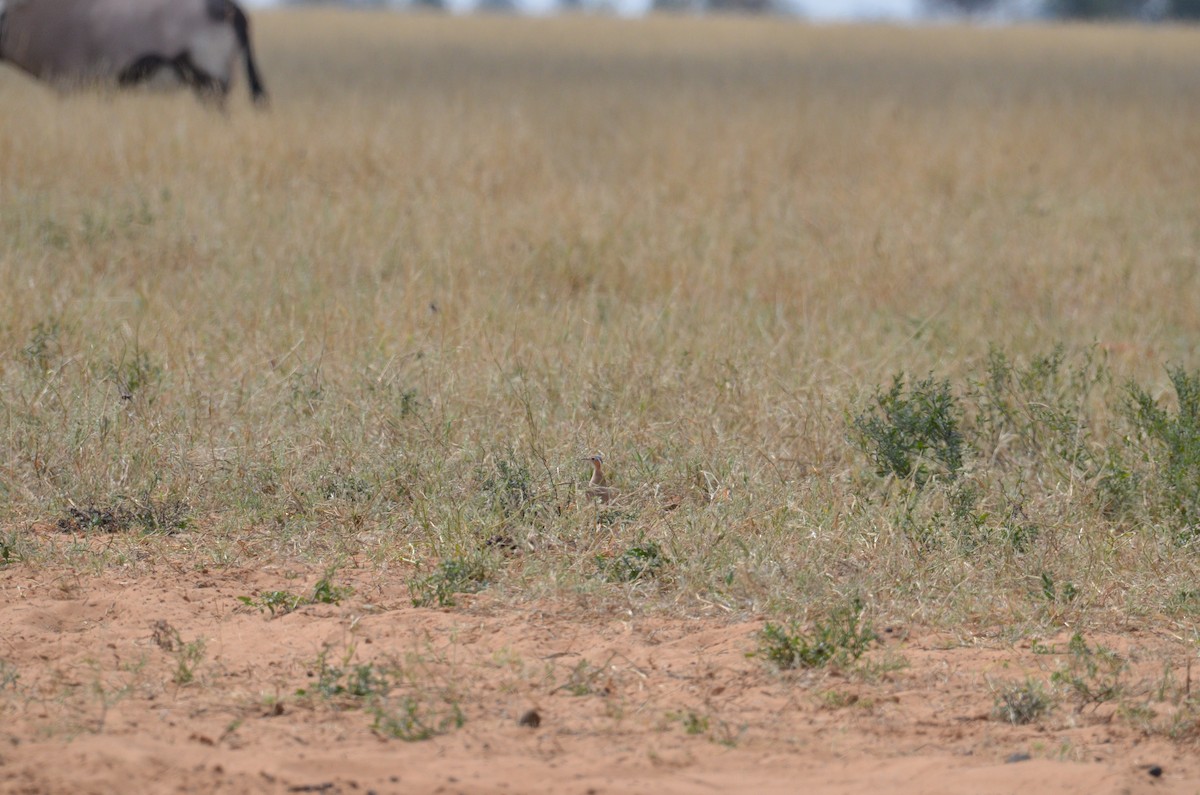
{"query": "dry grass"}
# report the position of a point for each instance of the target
(384, 322)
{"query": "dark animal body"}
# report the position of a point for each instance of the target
(75, 42)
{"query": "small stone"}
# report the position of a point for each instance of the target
(1154, 770)
(531, 719)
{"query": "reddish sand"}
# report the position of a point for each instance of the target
(625, 702)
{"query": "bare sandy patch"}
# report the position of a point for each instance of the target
(156, 682)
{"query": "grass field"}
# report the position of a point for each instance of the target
(377, 328)
(386, 320)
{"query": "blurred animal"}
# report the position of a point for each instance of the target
(75, 42)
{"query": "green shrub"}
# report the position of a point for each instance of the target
(413, 719)
(1174, 448)
(452, 576)
(1092, 675)
(840, 639)
(635, 563)
(914, 433)
(353, 682)
(1034, 416)
(1020, 704)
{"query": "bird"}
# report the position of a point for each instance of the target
(598, 488)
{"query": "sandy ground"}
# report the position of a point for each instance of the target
(95, 698)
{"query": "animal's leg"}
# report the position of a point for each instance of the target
(206, 86)
(142, 69)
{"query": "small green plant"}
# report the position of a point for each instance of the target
(507, 487)
(693, 723)
(1185, 602)
(1033, 416)
(167, 515)
(1022, 703)
(1054, 594)
(350, 681)
(326, 593)
(1175, 448)
(187, 657)
(8, 675)
(135, 373)
(284, 602)
(638, 562)
(413, 719)
(587, 679)
(840, 639)
(838, 699)
(152, 515)
(9, 549)
(349, 488)
(277, 602)
(308, 389)
(912, 434)
(1091, 675)
(423, 702)
(698, 724)
(44, 347)
(452, 576)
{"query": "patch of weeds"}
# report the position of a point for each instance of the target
(452, 576)
(1091, 675)
(326, 593)
(284, 602)
(588, 679)
(414, 719)
(1037, 647)
(1019, 536)
(135, 373)
(1175, 447)
(912, 433)
(840, 639)
(1169, 707)
(1184, 723)
(43, 348)
(838, 699)
(10, 551)
(349, 681)
(106, 689)
(151, 515)
(1120, 487)
(167, 515)
(1055, 594)
(54, 234)
(8, 675)
(349, 488)
(643, 561)
(1142, 716)
(189, 656)
(1023, 703)
(90, 519)
(698, 724)
(426, 707)
(693, 723)
(1033, 415)
(277, 602)
(507, 487)
(410, 402)
(1185, 601)
(308, 390)
(882, 667)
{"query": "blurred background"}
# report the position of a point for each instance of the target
(903, 11)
